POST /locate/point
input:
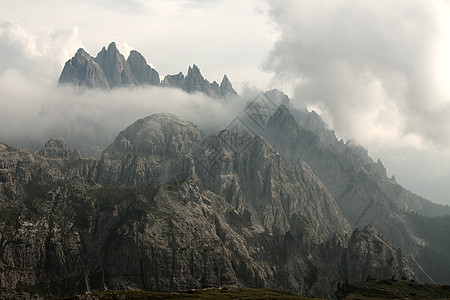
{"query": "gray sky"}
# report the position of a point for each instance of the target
(378, 71)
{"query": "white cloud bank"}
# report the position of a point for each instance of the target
(34, 109)
(32, 112)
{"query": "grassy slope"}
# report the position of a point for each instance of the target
(394, 289)
(194, 294)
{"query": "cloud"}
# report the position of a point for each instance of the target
(34, 109)
(39, 57)
(33, 112)
(379, 69)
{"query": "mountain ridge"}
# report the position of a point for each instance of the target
(360, 186)
(285, 204)
(109, 69)
(221, 217)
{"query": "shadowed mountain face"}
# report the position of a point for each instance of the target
(110, 70)
(194, 82)
(143, 73)
(82, 70)
(167, 208)
(358, 184)
(116, 68)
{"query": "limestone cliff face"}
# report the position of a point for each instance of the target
(368, 253)
(194, 82)
(116, 68)
(175, 81)
(144, 74)
(226, 88)
(82, 70)
(256, 178)
(109, 69)
(359, 185)
(152, 149)
(167, 208)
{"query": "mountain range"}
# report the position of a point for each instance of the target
(274, 200)
(109, 69)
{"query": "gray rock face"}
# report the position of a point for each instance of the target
(176, 81)
(152, 149)
(355, 181)
(368, 253)
(360, 186)
(110, 70)
(144, 74)
(116, 68)
(226, 88)
(82, 70)
(259, 180)
(166, 209)
(194, 83)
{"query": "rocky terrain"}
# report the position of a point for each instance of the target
(167, 208)
(109, 69)
(240, 293)
(274, 202)
(392, 288)
(359, 185)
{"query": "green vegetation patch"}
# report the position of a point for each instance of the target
(393, 289)
(435, 257)
(195, 294)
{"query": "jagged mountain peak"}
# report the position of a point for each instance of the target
(194, 69)
(81, 52)
(111, 51)
(225, 81)
(109, 69)
(134, 54)
(116, 68)
(193, 82)
(143, 73)
(112, 46)
(226, 88)
(83, 70)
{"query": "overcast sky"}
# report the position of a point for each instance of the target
(378, 71)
